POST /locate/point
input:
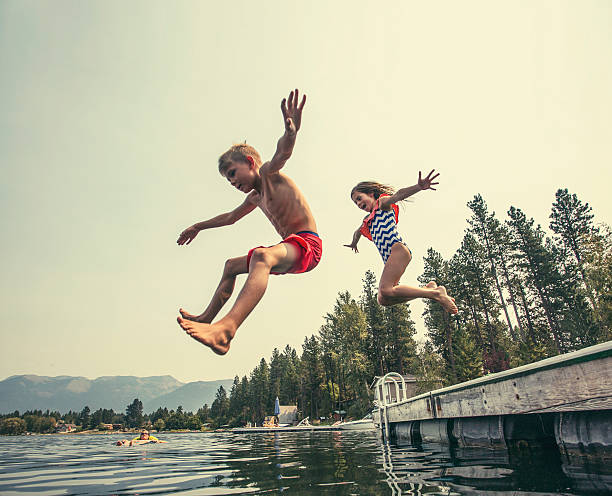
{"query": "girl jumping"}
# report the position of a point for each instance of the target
(380, 226)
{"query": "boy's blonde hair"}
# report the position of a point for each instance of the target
(238, 152)
(373, 187)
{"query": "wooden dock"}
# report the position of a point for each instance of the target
(558, 388)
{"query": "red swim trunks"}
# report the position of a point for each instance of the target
(310, 246)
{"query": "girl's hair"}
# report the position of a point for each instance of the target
(373, 187)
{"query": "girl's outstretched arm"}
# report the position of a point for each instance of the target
(356, 237)
(423, 183)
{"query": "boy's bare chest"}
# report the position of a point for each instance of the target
(272, 204)
(276, 197)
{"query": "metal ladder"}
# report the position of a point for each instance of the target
(385, 401)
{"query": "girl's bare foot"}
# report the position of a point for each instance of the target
(195, 318)
(217, 337)
(446, 301)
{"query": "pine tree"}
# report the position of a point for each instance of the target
(375, 328)
(259, 386)
(312, 374)
(572, 222)
(540, 275)
(436, 319)
(598, 271)
(236, 403)
(400, 350)
(277, 364)
(290, 381)
(219, 410)
(487, 229)
(468, 361)
(343, 337)
(133, 413)
(478, 277)
(84, 417)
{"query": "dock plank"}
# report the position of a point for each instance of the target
(577, 381)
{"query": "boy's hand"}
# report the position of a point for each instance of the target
(292, 112)
(427, 182)
(188, 235)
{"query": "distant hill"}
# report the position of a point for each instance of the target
(63, 393)
(189, 395)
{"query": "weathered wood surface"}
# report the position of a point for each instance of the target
(576, 381)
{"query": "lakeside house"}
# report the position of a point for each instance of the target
(63, 427)
(288, 414)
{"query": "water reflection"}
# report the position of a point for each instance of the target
(311, 463)
(304, 463)
(413, 470)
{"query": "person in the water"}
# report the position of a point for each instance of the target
(144, 438)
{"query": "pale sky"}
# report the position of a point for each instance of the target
(114, 113)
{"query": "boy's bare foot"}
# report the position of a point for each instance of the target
(195, 318)
(215, 336)
(446, 301)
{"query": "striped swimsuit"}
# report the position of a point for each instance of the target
(384, 232)
(381, 227)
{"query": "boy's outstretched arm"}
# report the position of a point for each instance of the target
(292, 115)
(402, 194)
(225, 219)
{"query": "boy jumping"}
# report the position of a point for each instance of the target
(284, 205)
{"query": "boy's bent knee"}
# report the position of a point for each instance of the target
(262, 255)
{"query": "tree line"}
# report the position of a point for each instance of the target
(46, 422)
(522, 296)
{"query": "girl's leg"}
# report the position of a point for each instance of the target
(390, 292)
(233, 267)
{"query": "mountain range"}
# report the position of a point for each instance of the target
(64, 393)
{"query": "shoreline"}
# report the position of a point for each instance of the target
(107, 433)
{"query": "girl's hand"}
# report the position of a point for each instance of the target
(427, 182)
(188, 235)
(353, 247)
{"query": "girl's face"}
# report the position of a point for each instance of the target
(365, 201)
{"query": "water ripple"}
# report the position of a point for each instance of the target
(342, 463)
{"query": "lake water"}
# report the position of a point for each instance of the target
(342, 463)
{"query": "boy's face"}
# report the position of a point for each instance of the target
(241, 175)
(365, 201)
